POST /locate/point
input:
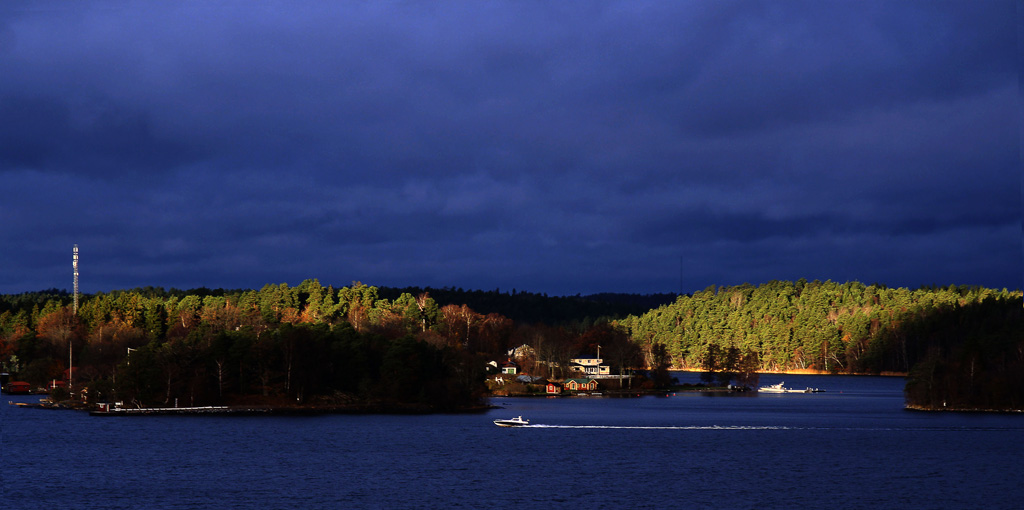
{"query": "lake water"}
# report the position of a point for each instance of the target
(851, 447)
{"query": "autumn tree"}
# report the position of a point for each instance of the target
(457, 324)
(60, 329)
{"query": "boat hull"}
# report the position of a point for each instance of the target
(514, 422)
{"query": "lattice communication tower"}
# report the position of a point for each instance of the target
(74, 264)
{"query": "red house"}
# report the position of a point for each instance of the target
(554, 388)
(18, 388)
(580, 384)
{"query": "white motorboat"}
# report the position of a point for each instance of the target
(774, 388)
(518, 421)
(779, 388)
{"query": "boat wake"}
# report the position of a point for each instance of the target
(767, 427)
(674, 427)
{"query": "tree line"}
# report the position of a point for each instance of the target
(974, 359)
(532, 308)
(301, 344)
(309, 343)
(960, 344)
(828, 326)
(304, 343)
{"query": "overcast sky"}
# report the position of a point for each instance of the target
(559, 147)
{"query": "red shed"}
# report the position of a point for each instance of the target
(18, 388)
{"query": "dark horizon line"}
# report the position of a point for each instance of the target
(225, 290)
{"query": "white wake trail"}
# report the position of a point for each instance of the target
(678, 427)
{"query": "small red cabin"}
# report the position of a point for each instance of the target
(580, 384)
(18, 388)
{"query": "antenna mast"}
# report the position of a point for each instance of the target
(74, 264)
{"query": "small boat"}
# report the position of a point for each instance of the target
(779, 388)
(774, 388)
(518, 421)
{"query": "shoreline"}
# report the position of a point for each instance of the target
(928, 409)
(285, 410)
(255, 410)
(807, 371)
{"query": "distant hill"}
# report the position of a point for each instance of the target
(529, 307)
(525, 307)
(835, 327)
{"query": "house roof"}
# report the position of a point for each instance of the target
(530, 378)
(578, 380)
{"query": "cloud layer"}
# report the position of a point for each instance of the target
(555, 147)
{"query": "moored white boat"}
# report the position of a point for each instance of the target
(773, 388)
(779, 388)
(518, 421)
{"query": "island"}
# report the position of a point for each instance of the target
(315, 348)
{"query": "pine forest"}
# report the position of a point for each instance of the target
(310, 344)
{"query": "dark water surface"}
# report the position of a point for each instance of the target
(851, 447)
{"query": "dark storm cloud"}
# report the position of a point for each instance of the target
(559, 147)
(784, 63)
(41, 133)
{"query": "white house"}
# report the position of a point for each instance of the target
(590, 366)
